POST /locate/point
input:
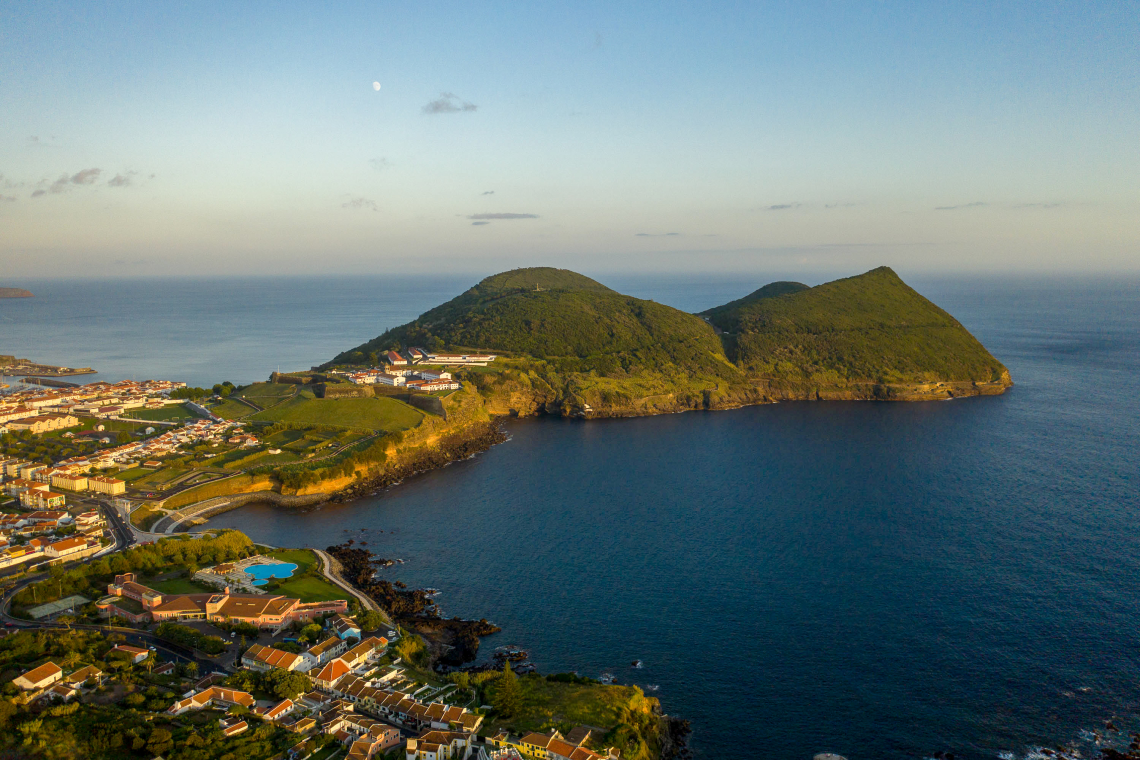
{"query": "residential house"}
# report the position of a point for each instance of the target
(215, 696)
(277, 711)
(343, 626)
(440, 745)
(232, 726)
(330, 674)
(395, 359)
(262, 658)
(134, 654)
(361, 653)
(38, 679)
(83, 675)
(329, 649)
(68, 547)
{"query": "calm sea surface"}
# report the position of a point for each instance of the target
(880, 580)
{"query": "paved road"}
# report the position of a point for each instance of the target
(332, 575)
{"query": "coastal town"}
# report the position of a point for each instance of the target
(207, 639)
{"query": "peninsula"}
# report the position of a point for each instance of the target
(15, 293)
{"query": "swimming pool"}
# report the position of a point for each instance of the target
(262, 573)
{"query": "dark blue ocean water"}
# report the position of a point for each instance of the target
(881, 580)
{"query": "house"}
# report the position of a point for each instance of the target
(319, 654)
(277, 712)
(134, 654)
(85, 674)
(42, 499)
(39, 678)
(360, 653)
(262, 658)
(387, 378)
(110, 486)
(232, 726)
(64, 692)
(66, 548)
(435, 374)
(70, 481)
(330, 674)
(438, 745)
(395, 359)
(215, 696)
(343, 626)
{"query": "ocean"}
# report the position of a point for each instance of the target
(882, 580)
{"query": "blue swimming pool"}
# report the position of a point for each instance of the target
(262, 573)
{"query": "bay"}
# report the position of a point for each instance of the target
(881, 580)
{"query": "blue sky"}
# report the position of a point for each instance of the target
(247, 137)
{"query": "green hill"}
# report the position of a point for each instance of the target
(568, 344)
(563, 318)
(770, 290)
(872, 328)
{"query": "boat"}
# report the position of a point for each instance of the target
(637, 664)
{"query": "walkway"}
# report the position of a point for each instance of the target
(332, 575)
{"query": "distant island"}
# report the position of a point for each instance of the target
(569, 345)
(15, 293)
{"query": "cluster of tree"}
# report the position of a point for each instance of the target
(92, 578)
(190, 637)
(283, 684)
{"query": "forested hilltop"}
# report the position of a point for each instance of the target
(570, 345)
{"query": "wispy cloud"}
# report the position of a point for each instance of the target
(7, 198)
(488, 217)
(65, 182)
(487, 192)
(380, 164)
(38, 193)
(599, 41)
(478, 224)
(657, 234)
(356, 204)
(122, 180)
(839, 205)
(783, 206)
(449, 102)
(962, 206)
(1039, 205)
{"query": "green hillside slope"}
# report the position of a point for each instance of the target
(872, 328)
(565, 319)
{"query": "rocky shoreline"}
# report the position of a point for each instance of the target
(454, 642)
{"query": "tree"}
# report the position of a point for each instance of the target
(507, 692)
(190, 669)
(285, 684)
(369, 620)
(123, 437)
(310, 632)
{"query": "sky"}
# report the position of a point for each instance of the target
(188, 138)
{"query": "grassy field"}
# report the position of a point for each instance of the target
(379, 414)
(145, 517)
(306, 583)
(231, 410)
(172, 413)
(302, 558)
(133, 474)
(268, 394)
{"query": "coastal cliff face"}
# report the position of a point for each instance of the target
(15, 293)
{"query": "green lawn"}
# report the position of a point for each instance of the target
(172, 413)
(144, 517)
(231, 410)
(380, 414)
(267, 394)
(133, 474)
(302, 558)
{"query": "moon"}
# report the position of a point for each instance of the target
(376, 86)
